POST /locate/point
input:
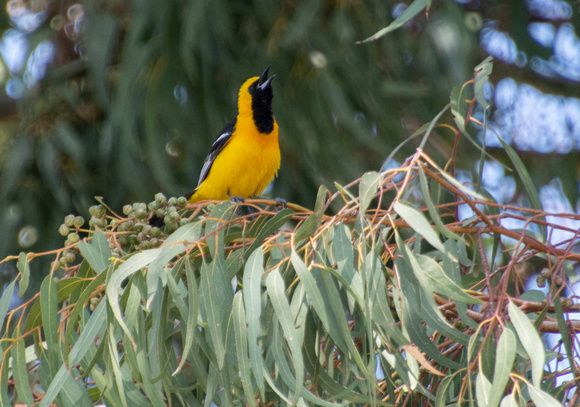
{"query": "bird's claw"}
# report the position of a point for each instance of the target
(237, 199)
(280, 203)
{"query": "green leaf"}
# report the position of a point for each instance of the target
(20, 371)
(442, 390)
(367, 188)
(509, 401)
(222, 212)
(524, 176)
(241, 335)
(482, 390)
(56, 385)
(432, 211)
(419, 224)
(504, 360)
(275, 288)
(5, 399)
(216, 296)
(61, 382)
(90, 331)
(563, 328)
(129, 267)
(97, 253)
(530, 340)
(6, 298)
(541, 398)
(64, 288)
(253, 271)
(442, 283)
(411, 308)
(24, 269)
(49, 310)
(482, 72)
(411, 11)
(317, 371)
(324, 298)
(273, 224)
(311, 224)
(342, 252)
(190, 315)
(79, 308)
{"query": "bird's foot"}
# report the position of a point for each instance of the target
(280, 203)
(236, 199)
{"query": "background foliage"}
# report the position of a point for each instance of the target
(382, 303)
(137, 92)
(359, 300)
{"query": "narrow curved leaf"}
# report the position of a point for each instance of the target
(504, 360)
(367, 188)
(530, 340)
(541, 398)
(419, 223)
(275, 287)
(411, 11)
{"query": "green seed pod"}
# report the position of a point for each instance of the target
(146, 229)
(98, 222)
(138, 227)
(181, 201)
(172, 201)
(155, 231)
(62, 261)
(133, 240)
(541, 281)
(153, 206)
(79, 221)
(154, 242)
(69, 220)
(63, 230)
(184, 221)
(98, 211)
(127, 210)
(546, 273)
(141, 213)
(123, 240)
(160, 198)
(70, 257)
(73, 237)
(129, 225)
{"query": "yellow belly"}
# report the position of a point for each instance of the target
(244, 167)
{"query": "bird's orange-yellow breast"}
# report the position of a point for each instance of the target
(248, 162)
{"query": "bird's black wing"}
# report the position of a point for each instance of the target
(217, 146)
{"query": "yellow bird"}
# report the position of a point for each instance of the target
(246, 156)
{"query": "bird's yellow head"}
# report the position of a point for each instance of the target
(255, 100)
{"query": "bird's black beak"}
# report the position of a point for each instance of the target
(264, 81)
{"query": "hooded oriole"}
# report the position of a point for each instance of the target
(245, 157)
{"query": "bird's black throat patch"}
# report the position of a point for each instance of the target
(262, 108)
